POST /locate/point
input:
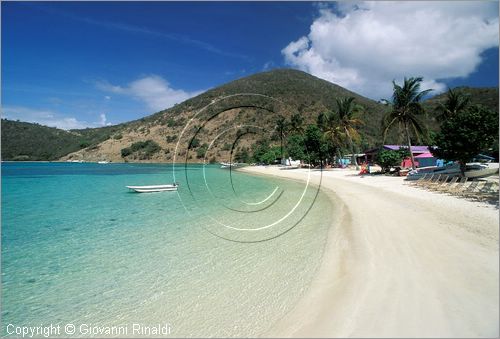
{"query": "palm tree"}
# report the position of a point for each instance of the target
(456, 101)
(405, 110)
(346, 108)
(332, 132)
(281, 128)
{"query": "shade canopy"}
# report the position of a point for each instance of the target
(414, 149)
(425, 155)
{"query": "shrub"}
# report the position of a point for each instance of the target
(144, 149)
(387, 158)
(84, 144)
(171, 138)
(126, 152)
(200, 153)
(194, 143)
(171, 122)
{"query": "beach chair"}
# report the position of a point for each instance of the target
(422, 178)
(468, 189)
(434, 180)
(489, 191)
(425, 180)
(443, 179)
(459, 185)
(446, 185)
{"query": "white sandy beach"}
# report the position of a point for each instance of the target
(399, 262)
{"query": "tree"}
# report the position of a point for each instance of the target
(270, 155)
(242, 155)
(466, 134)
(295, 147)
(388, 158)
(346, 108)
(315, 148)
(332, 133)
(405, 110)
(455, 102)
(321, 121)
(259, 149)
(281, 128)
(296, 123)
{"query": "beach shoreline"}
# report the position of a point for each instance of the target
(399, 261)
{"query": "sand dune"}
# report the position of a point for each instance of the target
(400, 262)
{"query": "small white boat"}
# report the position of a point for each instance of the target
(227, 164)
(374, 169)
(153, 188)
(480, 170)
(103, 162)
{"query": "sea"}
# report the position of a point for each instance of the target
(227, 254)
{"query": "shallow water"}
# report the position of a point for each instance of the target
(227, 255)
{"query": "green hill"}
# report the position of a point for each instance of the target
(299, 91)
(26, 141)
(486, 96)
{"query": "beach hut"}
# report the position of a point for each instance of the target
(416, 150)
(425, 159)
(406, 163)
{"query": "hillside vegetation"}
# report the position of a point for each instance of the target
(154, 138)
(26, 141)
(486, 96)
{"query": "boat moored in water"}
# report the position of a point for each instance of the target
(154, 188)
(228, 164)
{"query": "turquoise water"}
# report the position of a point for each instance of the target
(227, 255)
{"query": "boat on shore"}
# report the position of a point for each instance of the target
(451, 170)
(481, 170)
(472, 170)
(153, 188)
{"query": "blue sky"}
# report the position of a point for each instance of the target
(77, 64)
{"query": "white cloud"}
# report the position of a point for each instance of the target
(48, 118)
(364, 46)
(153, 90)
(103, 121)
(268, 65)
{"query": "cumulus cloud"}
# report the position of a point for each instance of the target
(49, 118)
(103, 121)
(363, 46)
(153, 90)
